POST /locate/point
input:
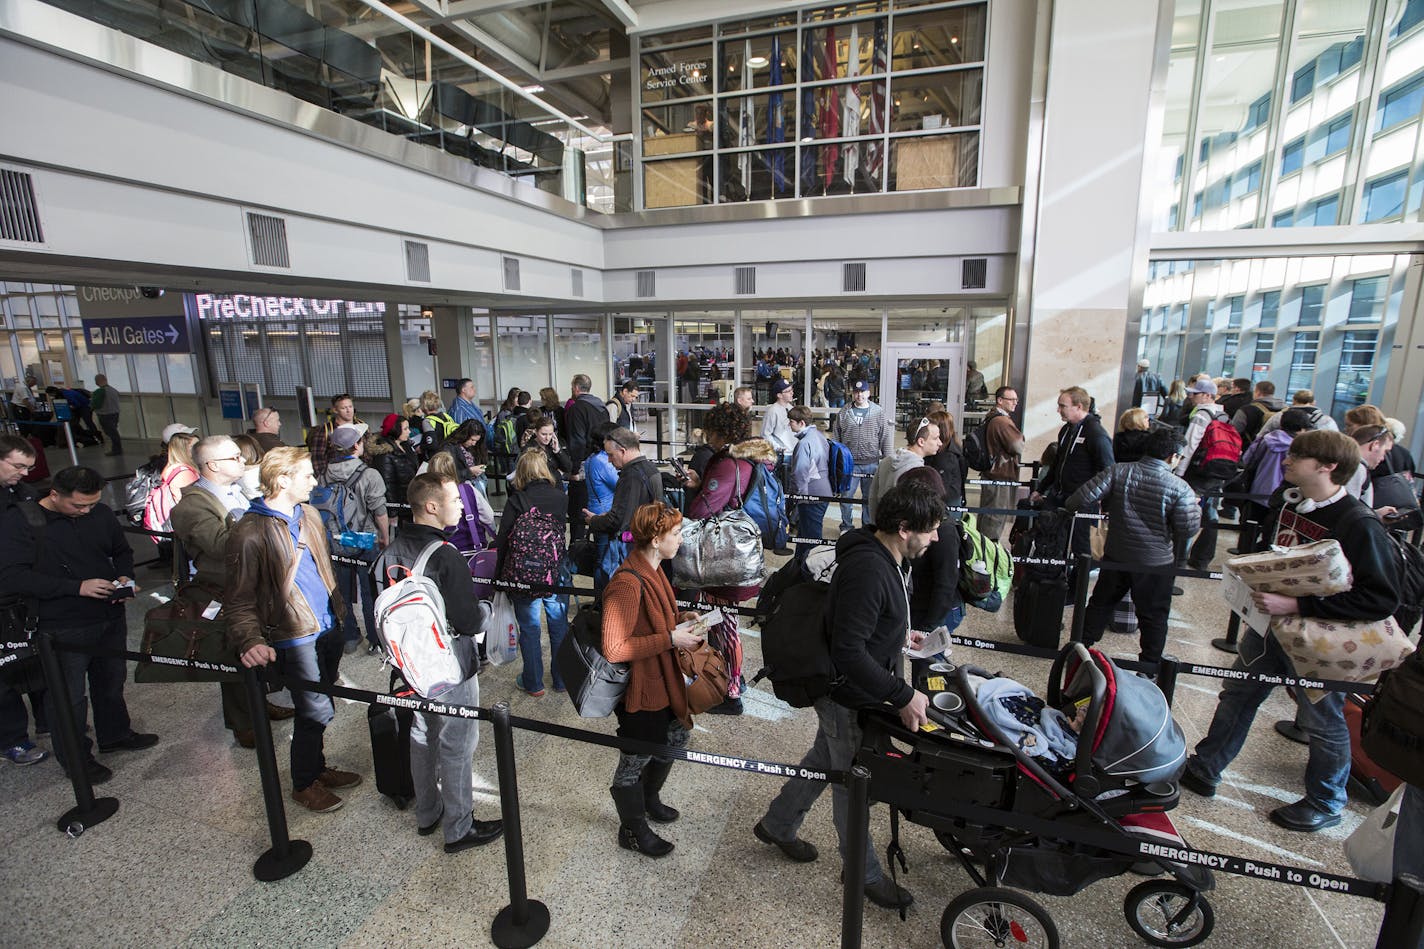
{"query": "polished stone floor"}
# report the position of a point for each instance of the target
(173, 867)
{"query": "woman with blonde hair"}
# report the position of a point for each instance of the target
(1130, 442)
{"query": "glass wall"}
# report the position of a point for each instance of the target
(1278, 115)
(579, 347)
(851, 99)
(522, 349)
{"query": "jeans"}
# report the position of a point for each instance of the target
(1203, 549)
(110, 425)
(105, 676)
(810, 522)
(1328, 766)
(441, 753)
(15, 718)
(837, 739)
(1151, 600)
(348, 578)
(315, 661)
(526, 612)
(862, 474)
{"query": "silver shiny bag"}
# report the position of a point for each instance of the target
(723, 550)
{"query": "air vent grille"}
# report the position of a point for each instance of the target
(647, 284)
(576, 275)
(417, 261)
(268, 235)
(853, 278)
(745, 278)
(19, 212)
(976, 273)
(511, 273)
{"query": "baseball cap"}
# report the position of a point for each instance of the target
(1143, 364)
(345, 437)
(1203, 386)
(861, 386)
(779, 386)
(177, 428)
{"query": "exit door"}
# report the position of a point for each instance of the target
(914, 375)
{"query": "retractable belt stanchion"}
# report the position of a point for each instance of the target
(1082, 564)
(286, 856)
(1167, 669)
(853, 874)
(524, 921)
(1403, 923)
(1227, 643)
(88, 810)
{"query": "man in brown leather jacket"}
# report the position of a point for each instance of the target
(282, 606)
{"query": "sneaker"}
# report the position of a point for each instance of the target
(135, 741)
(317, 798)
(25, 753)
(801, 851)
(339, 779)
(889, 894)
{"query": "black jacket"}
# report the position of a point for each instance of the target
(869, 616)
(950, 464)
(934, 589)
(548, 498)
(1363, 539)
(581, 419)
(9, 497)
(397, 463)
(451, 573)
(1084, 449)
(74, 549)
(639, 483)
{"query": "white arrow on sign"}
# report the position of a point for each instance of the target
(172, 334)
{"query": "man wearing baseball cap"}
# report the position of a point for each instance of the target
(775, 426)
(863, 428)
(1147, 383)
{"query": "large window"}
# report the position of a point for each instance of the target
(1302, 365)
(856, 99)
(1352, 383)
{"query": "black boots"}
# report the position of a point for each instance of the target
(633, 830)
(655, 775)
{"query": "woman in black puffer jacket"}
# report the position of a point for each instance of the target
(395, 460)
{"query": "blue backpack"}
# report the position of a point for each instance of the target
(840, 467)
(765, 502)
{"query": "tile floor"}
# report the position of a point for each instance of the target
(173, 867)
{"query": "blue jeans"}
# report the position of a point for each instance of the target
(315, 661)
(350, 580)
(526, 612)
(837, 740)
(810, 522)
(862, 473)
(1328, 766)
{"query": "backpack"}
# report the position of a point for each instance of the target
(506, 439)
(1411, 582)
(442, 425)
(1267, 413)
(796, 645)
(535, 550)
(976, 448)
(1218, 455)
(469, 533)
(331, 501)
(840, 467)
(1267, 473)
(411, 625)
(765, 502)
(985, 587)
(139, 489)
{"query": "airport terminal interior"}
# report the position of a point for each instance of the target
(221, 206)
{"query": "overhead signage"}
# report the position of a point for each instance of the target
(136, 334)
(98, 302)
(247, 306)
(676, 74)
(230, 398)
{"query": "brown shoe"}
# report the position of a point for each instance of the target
(317, 798)
(279, 713)
(339, 779)
(245, 739)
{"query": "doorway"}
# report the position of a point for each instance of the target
(914, 375)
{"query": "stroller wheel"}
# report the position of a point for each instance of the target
(996, 916)
(1161, 912)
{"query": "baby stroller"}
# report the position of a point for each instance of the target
(995, 807)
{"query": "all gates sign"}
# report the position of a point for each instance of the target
(137, 334)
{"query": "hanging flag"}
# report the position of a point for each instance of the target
(775, 127)
(850, 124)
(875, 151)
(746, 134)
(807, 73)
(831, 105)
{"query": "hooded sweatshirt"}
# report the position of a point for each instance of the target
(868, 614)
(887, 476)
(1263, 460)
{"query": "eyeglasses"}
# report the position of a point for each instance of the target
(213, 461)
(19, 465)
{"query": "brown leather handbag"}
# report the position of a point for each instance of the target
(705, 673)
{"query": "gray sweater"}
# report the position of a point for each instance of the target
(868, 440)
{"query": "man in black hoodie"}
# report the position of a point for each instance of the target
(581, 420)
(1311, 506)
(868, 618)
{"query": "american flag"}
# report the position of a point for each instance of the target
(850, 124)
(874, 151)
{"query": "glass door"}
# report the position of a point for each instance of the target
(914, 376)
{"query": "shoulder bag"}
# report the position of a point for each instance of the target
(723, 550)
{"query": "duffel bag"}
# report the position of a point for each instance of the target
(178, 630)
(723, 550)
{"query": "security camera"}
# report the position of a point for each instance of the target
(151, 293)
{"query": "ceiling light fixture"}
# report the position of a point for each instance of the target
(757, 62)
(532, 88)
(954, 41)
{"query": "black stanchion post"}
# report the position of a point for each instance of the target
(1167, 670)
(1403, 923)
(88, 810)
(1082, 564)
(524, 921)
(1227, 643)
(286, 856)
(853, 875)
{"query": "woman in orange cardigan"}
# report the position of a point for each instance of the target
(639, 613)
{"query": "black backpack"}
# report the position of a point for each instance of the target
(1411, 583)
(976, 448)
(795, 644)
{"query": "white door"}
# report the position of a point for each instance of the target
(912, 375)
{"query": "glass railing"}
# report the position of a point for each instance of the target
(357, 61)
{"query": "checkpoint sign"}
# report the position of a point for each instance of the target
(137, 334)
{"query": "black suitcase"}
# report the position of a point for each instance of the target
(1038, 611)
(390, 746)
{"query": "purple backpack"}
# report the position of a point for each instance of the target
(469, 534)
(534, 550)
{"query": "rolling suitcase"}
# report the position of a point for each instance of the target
(390, 746)
(1038, 611)
(1376, 782)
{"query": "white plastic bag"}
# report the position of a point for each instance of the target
(1370, 849)
(502, 642)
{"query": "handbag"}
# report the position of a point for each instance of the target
(1370, 849)
(178, 630)
(594, 684)
(1098, 539)
(502, 641)
(1392, 722)
(723, 550)
(704, 671)
(1348, 650)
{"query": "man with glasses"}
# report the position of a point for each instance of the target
(866, 432)
(1005, 444)
(923, 441)
(17, 459)
(639, 483)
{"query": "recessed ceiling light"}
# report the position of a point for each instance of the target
(757, 62)
(953, 40)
